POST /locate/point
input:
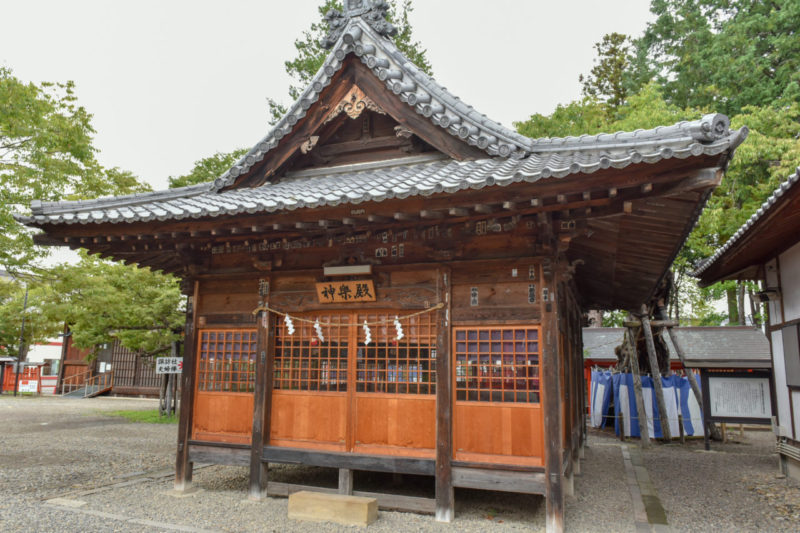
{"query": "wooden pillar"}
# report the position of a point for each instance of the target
(682, 356)
(345, 481)
(644, 431)
(183, 467)
(551, 407)
(258, 468)
(445, 497)
(655, 371)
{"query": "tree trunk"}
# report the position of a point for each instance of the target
(733, 307)
(740, 303)
(754, 309)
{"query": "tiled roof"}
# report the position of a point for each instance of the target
(511, 157)
(754, 218)
(373, 182)
(704, 346)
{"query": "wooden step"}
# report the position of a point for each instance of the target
(338, 508)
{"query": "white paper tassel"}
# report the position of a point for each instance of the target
(318, 329)
(289, 324)
(367, 334)
(398, 327)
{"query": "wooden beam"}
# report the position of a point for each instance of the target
(378, 219)
(551, 407)
(258, 468)
(644, 430)
(484, 209)
(280, 227)
(698, 395)
(510, 206)
(183, 467)
(655, 371)
(347, 221)
(458, 212)
(427, 214)
(405, 217)
(445, 495)
(304, 225)
(324, 223)
(653, 323)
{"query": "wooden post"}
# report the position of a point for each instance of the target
(682, 356)
(644, 430)
(345, 481)
(551, 408)
(680, 428)
(258, 469)
(445, 496)
(655, 371)
(183, 467)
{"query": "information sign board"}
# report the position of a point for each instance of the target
(169, 365)
(737, 396)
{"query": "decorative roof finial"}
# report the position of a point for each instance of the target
(373, 12)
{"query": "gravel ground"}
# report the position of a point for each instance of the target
(118, 477)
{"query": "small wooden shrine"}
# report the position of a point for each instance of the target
(391, 281)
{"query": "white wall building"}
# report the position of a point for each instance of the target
(767, 248)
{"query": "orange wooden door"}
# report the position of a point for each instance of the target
(497, 415)
(346, 394)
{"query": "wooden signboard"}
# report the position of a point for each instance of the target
(737, 396)
(331, 292)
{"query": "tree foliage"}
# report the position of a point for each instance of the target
(46, 153)
(721, 54)
(102, 301)
(311, 55)
(607, 79)
(207, 169)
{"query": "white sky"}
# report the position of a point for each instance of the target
(173, 81)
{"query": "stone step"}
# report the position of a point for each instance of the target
(338, 508)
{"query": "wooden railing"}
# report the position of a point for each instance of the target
(75, 382)
(99, 383)
(91, 384)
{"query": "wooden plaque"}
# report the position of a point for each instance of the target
(339, 292)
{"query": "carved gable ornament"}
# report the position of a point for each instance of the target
(373, 12)
(354, 103)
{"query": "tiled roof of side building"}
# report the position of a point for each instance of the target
(704, 346)
(511, 157)
(790, 182)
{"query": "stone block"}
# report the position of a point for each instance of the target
(338, 508)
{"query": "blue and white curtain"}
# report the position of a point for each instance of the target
(678, 398)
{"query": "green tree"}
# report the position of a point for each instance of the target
(46, 153)
(721, 54)
(38, 326)
(607, 79)
(102, 301)
(207, 169)
(310, 53)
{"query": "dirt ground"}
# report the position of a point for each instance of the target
(66, 465)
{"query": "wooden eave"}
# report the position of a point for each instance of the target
(771, 235)
(626, 225)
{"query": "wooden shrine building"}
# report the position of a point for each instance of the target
(433, 266)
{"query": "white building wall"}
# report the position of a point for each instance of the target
(790, 279)
(789, 268)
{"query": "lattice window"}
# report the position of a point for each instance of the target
(227, 360)
(303, 362)
(405, 366)
(497, 364)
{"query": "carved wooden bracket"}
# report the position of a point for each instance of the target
(354, 103)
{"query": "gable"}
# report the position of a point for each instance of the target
(355, 119)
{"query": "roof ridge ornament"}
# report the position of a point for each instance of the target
(373, 12)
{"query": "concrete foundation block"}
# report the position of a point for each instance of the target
(338, 508)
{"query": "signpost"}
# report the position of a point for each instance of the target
(169, 365)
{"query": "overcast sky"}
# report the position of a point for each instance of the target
(170, 82)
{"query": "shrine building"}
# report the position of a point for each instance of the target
(391, 281)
